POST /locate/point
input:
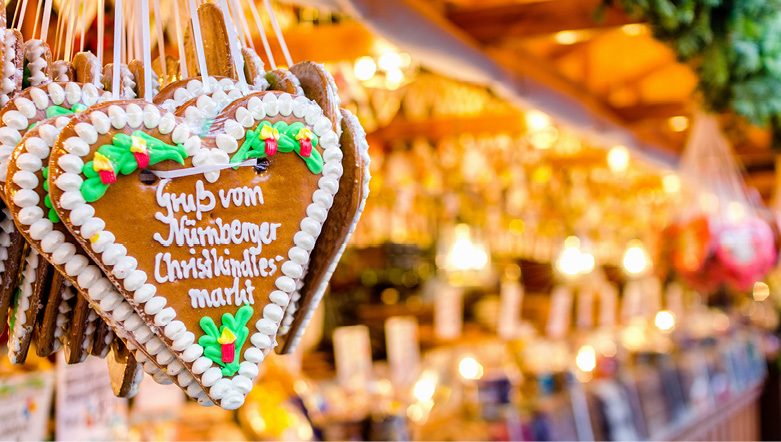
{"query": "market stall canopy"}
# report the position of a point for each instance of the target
(597, 71)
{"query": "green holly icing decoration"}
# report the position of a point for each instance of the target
(47, 200)
(128, 153)
(223, 345)
(58, 111)
(122, 157)
(254, 145)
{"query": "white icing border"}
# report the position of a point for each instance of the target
(7, 228)
(36, 62)
(229, 393)
(26, 287)
(17, 116)
(7, 86)
(363, 147)
(95, 287)
(194, 88)
(63, 316)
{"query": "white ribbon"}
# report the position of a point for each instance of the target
(178, 173)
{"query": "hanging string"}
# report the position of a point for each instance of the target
(58, 32)
(238, 59)
(262, 32)
(278, 32)
(13, 19)
(240, 21)
(37, 17)
(196, 22)
(21, 14)
(136, 24)
(147, 49)
(179, 42)
(117, 45)
(83, 23)
(161, 40)
(71, 32)
(101, 24)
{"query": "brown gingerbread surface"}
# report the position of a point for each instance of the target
(131, 211)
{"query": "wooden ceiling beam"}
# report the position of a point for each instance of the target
(494, 23)
(652, 111)
(436, 128)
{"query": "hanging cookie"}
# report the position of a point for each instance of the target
(12, 252)
(125, 373)
(13, 65)
(29, 193)
(62, 71)
(37, 63)
(284, 80)
(137, 69)
(47, 339)
(127, 80)
(87, 69)
(101, 341)
(223, 227)
(254, 69)
(216, 45)
(338, 228)
(27, 305)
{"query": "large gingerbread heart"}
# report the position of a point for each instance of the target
(28, 195)
(336, 232)
(205, 237)
(38, 103)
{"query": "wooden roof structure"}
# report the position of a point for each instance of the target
(611, 68)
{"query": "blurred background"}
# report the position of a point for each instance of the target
(572, 234)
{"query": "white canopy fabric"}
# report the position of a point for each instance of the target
(442, 48)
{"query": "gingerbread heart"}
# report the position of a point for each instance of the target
(214, 232)
(28, 194)
(37, 63)
(12, 252)
(13, 65)
(28, 302)
(38, 103)
(62, 71)
(55, 316)
(337, 230)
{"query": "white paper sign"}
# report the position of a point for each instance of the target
(448, 312)
(401, 337)
(25, 402)
(353, 354)
(86, 406)
(560, 312)
(510, 309)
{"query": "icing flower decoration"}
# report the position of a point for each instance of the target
(304, 136)
(270, 135)
(140, 152)
(228, 342)
(125, 155)
(285, 138)
(223, 345)
(104, 168)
